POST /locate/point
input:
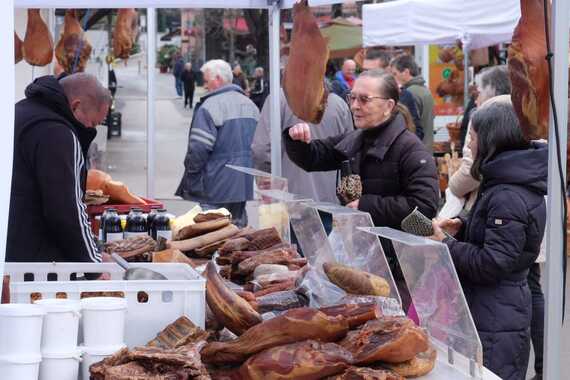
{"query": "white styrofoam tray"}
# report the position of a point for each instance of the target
(182, 294)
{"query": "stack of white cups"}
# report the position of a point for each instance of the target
(60, 353)
(20, 337)
(103, 329)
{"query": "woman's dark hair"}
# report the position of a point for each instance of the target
(498, 130)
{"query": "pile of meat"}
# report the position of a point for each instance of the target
(173, 354)
(348, 341)
(341, 342)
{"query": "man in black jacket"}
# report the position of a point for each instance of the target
(53, 129)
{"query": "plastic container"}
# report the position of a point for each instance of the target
(20, 367)
(164, 301)
(61, 324)
(60, 366)
(103, 321)
(93, 355)
(20, 329)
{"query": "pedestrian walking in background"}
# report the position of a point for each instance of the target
(189, 80)
(177, 71)
(260, 88)
(240, 78)
(221, 133)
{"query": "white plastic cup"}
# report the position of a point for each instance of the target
(20, 329)
(60, 366)
(20, 367)
(61, 325)
(92, 355)
(103, 321)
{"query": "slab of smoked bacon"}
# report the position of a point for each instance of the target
(308, 360)
(292, 326)
(304, 79)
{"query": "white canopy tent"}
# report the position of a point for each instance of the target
(477, 24)
(459, 7)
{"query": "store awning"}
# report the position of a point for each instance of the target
(478, 23)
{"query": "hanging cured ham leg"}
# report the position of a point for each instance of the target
(38, 43)
(125, 32)
(528, 69)
(304, 77)
(18, 54)
(72, 50)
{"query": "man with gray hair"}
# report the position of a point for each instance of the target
(53, 128)
(221, 133)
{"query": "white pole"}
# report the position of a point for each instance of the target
(554, 269)
(150, 105)
(7, 110)
(275, 86)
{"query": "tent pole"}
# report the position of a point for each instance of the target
(7, 106)
(150, 100)
(274, 86)
(465, 75)
(554, 269)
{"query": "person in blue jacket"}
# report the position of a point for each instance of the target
(221, 133)
(500, 240)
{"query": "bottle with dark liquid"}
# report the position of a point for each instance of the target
(113, 229)
(136, 224)
(150, 218)
(161, 226)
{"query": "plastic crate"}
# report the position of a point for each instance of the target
(94, 211)
(182, 294)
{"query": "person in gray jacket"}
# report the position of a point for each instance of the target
(221, 133)
(407, 74)
(318, 186)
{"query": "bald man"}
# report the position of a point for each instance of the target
(344, 79)
(53, 128)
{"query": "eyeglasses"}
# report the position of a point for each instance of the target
(362, 99)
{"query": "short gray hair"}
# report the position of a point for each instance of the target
(493, 81)
(219, 68)
(87, 88)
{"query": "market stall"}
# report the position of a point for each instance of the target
(455, 330)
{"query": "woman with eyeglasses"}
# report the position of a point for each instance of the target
(397, 172)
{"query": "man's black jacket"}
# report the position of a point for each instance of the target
(47, 219)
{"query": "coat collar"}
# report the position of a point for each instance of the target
(351, 145)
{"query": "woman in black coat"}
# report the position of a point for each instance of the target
(189, 80)
(397, 172)
(500, 240)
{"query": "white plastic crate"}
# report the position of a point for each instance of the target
(182, 294)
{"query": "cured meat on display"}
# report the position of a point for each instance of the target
(125, 32)
(18, 45)
(232, 311)
(528, 70)
(73, 49)
(292, 326)
(355, 281)
(308, 360)
(358, 373)
(304, 79)
(38, 43)
(390, 339)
